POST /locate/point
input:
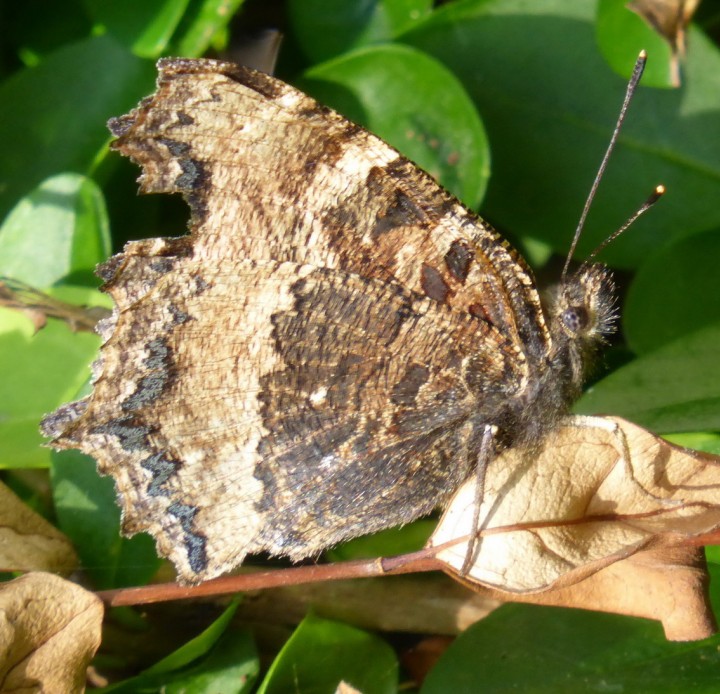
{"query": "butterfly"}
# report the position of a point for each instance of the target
(333, 349)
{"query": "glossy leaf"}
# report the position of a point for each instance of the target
(231, 667)
(674, 293)
(60, 230)
(87, 514)
(326, 28)
(197, 647)
(53, 125)
(321, 654)
(220, 659)
(38, 372)
(144, 27)
(621, 34)
(205, 21)
(673, 389)
(541, 649)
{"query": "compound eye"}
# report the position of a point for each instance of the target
(575, 318)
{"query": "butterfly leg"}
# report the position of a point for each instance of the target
(484, 457)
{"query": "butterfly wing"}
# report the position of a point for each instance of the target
(294, 372)
(256, 405)
(270, 174)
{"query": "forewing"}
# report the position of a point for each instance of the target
(271, 174)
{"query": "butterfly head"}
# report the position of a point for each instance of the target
(582, 315)
(584, 308)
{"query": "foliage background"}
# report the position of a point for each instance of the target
(510, 104)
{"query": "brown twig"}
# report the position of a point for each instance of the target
(415, 562)
(39, 306)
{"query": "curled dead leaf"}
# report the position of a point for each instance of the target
(49, 631)
(600, 490)
(28, 542)
(668, 584)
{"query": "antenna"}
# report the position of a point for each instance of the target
(651, 200)
(632, 86)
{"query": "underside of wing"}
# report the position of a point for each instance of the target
(271, 174)
(257, 405)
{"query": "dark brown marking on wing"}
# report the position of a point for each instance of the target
(195, 541)
(478, 311)
(106, 271)
(316, 112)
(121, 125)
(433, 284)
(185, 118)
(162, 265)
(327, 150)
(194, 174)
(436, 201)
(162, 468)
(178, 315)
(458, 259)
(257, 81)
(401, 212)
(201, 285)
(406, 389)
(350, 131)
(57, 423)
(374, 418)
(131, 432)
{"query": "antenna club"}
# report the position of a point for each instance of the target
(654, 196)
(642, 55)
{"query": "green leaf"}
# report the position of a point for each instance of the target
(321, 654)
(327, 28)
(38, 372)
(197, 647)
(699, 441)
(674, 293)
(415, 104)
(60, 230)
(204, 22)
(87, 514)
(534, 649)
(59, 110)
(144, 27)
(673, 389)
(622, 34)
(386, 543)
(231, 667)
(218, 660)
(549, 102)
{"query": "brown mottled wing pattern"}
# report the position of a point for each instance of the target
(295, 372)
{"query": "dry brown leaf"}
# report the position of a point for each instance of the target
(600, 490)
(49, 631)
(419, 660)
(668, 584)
(28, 542)
(670, 19)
